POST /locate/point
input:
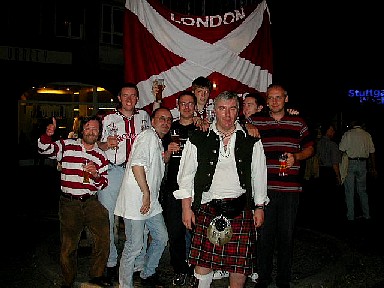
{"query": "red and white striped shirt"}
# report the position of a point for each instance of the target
(72, 155)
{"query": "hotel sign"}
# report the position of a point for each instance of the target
(21, 54)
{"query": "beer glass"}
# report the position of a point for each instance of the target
(85, 173)
(283, 165)
(160, 86)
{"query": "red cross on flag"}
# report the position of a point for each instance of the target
(233, 50)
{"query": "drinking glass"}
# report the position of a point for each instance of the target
(85, 173)
(175, 137)
(113, 132)
(283, 165)
(161, 86)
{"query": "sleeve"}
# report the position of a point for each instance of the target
(187, 171)
(102, 181)
(142, 147)
(342, 144)
(48, 148)
(259, 174)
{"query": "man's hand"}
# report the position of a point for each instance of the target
(258, 217)
(51, 127)
(202, 124)
(146, 203)
(252, 130)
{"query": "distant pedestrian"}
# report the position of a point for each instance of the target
(83, 174)
(329, 180)
(358, 145)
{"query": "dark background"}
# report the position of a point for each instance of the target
(322, 50)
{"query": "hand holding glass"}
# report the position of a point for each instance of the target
(175, 137)
(160, 87)
(112, 137)
(85, 173)
(283, 165)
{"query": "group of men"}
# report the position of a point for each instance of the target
(223, 188)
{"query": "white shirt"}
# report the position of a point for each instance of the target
(147, 151)
(357, 142)
(225, 182)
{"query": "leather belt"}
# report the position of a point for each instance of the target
(357, 158)
(122, 165)
(81, 198)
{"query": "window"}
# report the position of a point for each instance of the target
(69, 20)
(112, 25)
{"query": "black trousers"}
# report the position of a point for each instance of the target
(176, 232)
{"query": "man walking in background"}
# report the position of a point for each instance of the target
(358, 145)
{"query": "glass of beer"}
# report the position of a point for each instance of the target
(160, 86)
(175, 137)
(283, 165)
(85, 173)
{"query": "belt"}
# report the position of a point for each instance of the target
(357, 158)
(82, 198)
(229, 207)
(122, 165)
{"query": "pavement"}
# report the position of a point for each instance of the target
(335, 255)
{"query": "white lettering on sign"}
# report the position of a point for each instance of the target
(210, 21)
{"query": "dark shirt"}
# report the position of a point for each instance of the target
(328, 152)
(290, 134)
(174, 162)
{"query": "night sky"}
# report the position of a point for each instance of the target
(321, 51)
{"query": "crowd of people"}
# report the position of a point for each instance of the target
(214, 194)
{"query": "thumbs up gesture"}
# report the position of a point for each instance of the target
(51, 127)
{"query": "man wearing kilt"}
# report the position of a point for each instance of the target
(223, 186)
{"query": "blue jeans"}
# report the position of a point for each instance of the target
(135, 231)
(356, 178)
(108, 198)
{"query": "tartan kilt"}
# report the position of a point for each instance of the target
(236, 256)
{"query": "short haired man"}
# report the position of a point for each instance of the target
(138, 201)
(120, 129)
(222, 177)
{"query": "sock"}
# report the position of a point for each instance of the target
(204, 280)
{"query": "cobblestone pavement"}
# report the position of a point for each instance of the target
(336, 256)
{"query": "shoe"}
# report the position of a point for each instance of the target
(112, 274)
(261, 285)
(193, 282)
(283, 285)
(152, 281)
(101, 281)
(179, 279)
(254, 277)
(219, 274)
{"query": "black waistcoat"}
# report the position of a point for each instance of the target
(208, 144)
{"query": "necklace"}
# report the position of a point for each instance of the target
(225, 150)
(224, 135)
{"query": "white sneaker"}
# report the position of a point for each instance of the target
(219, 274)
(254, 277)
